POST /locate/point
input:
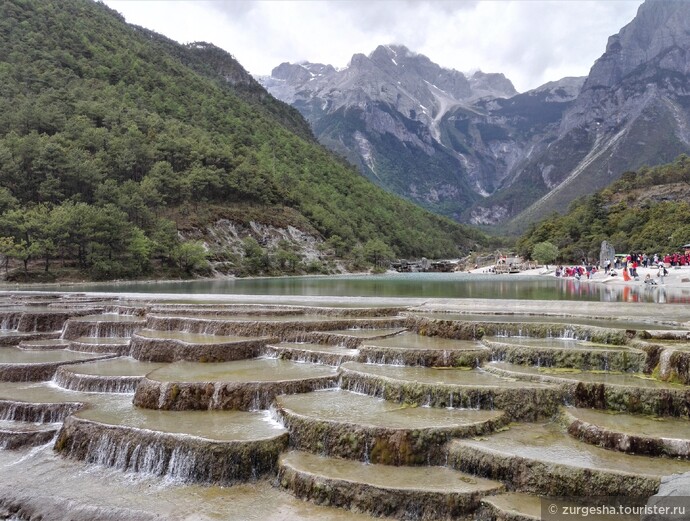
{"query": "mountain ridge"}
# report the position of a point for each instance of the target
(493, 156)
(392, 92)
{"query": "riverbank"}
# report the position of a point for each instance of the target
(677, 276)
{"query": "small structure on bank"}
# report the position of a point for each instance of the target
(507, 263)
(424, 265)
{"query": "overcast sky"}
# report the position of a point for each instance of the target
(530, 41)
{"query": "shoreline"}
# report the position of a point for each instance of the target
(678, 277)
(25, 286)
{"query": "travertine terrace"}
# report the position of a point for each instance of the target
(421, 411)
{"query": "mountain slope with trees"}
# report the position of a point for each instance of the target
(113, 138)
(644, 211)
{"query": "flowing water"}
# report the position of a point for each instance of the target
(159, 446)
(121, 366)
(386, 476)
(653, 426)
(210, 425)
(73, 490)
(348, 407)
(255, 370)
(556, 343)
(547, 319)
(428, 375)
(14, 355)
(546, 442)
(365, 333)
(415, 341)
(189, 338)
(611, 378)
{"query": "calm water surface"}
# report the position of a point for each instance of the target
(410, 285)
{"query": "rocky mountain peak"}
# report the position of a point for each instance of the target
(660, 33)
(471, 147)
(565, 89)
(493, 84)
(291, 72)
(385, 54)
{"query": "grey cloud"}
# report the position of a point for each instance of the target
(231, 8)
(528, 40)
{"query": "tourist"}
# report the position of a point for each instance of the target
(661, 273)
(649, 280)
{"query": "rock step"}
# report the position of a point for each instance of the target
(515, 506)
(668, 334)
(414, 349)
(12, 338)
(627, 392)
(219, 447)
(471, 327)
(542, 459)
(669, 360)
(40, 412)
(44, 402)
(19, 365)
(240, 385)
(418, 493)
(313, 353)
(351, 338)
(173, 346)
(551, 352)
(452, 387)
(107, 325)
(16, 435)
(44, 345)
(348, 425)
(116, 375)
(58, 489)
(512, 506)
(634, 434)
(34, 318)
(272, 310)
(283, 327)
(115, 345)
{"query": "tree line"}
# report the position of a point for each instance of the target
(640, 212)
(103, 122)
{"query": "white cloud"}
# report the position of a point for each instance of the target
(530, 41)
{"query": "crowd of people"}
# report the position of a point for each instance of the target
(577, 272)
(628, 266)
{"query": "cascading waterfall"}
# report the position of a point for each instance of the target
(95, 383)
(215, 398)
(191, 458)
(37, 412)
(10, 321)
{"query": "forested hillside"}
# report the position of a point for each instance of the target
(112, 136)
(644, 211)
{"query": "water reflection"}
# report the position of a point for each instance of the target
(423, 285)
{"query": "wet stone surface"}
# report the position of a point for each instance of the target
(364, 407)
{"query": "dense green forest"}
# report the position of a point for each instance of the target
(112, 135)
(644, 211)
